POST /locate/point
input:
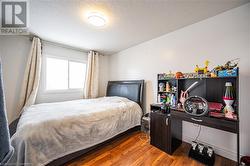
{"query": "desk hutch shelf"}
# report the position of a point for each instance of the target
(212, 89)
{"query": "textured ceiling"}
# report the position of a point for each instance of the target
(130, 22)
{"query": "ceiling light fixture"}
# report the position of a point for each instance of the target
(96, 19)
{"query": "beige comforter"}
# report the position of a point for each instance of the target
(48, 131)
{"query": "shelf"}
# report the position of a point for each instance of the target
(167, 79)
(209, 78)
(166, 92)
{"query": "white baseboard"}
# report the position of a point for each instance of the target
(232, 155)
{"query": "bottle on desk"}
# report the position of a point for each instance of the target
(173, 100)
(165, 108)
(159, 98)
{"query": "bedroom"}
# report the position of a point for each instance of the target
(70, 51)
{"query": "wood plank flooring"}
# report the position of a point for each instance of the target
(135, 150)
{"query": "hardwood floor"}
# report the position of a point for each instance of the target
(135, 150)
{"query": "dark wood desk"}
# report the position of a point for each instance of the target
(172, 131)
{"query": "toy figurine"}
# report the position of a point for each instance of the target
(174, 89)
(228, 69)
(167, 87)
(213, 73)
(231, 64)
(202, 70)
(227, 66)
(178, 75)
(161, 87)
(169, 75)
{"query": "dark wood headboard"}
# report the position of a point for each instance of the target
(131, 89)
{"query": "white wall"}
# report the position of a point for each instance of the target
(13, 52)
(217, 39)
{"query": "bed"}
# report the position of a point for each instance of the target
(55, 133)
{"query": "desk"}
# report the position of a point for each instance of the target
(173, 129)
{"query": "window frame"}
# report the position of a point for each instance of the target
(44, 75)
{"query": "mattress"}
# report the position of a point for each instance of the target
(49, 131)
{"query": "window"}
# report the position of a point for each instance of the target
(63, 74)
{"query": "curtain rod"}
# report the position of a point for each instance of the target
(57, 44)
(64, 46)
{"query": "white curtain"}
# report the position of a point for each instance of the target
(91, 82)
(32, 75)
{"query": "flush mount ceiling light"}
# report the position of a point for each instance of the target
(96, 19)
